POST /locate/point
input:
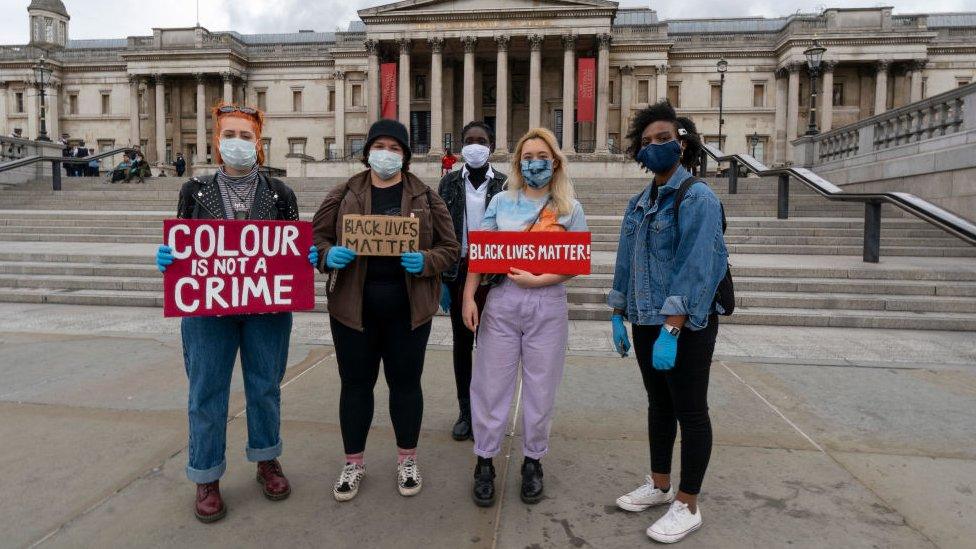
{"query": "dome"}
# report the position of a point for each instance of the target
(56, 6)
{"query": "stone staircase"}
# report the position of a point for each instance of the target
(803, 271)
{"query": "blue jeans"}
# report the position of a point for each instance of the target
(210, 346)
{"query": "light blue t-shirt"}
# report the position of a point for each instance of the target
(513, 211)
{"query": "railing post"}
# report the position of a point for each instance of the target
(56, 175)
(733, 177)
(783, 197)
(872, 231)
(704, 164)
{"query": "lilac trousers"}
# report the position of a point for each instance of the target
(518, 326)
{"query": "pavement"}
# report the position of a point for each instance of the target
(823, 437)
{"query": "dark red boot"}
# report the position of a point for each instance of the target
(276, 486)
(209, 505)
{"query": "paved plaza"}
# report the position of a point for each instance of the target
(824, 437)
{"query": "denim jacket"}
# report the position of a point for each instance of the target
(664, 270)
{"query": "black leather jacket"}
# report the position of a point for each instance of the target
(451, 189)
(200, 199)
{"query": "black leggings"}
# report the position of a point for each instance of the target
(387, 337)
(463, 337)
(679, 396)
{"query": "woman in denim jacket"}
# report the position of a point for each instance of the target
(664, 283)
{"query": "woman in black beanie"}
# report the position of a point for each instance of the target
(380, 308)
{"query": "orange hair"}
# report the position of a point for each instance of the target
(257, 123)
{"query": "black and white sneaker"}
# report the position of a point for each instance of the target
(409, 480)
(347, 486)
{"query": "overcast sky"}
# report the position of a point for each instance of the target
(121, 18)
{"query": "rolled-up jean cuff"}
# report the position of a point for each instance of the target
(617, 299)
(204, 476)
(264, 454)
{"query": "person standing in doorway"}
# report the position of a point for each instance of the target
(467, 192)
(180, 164)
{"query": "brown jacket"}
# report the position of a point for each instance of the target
(437, 242)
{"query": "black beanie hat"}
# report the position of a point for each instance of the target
(387, 127)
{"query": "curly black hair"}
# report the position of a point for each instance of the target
(663, 110)
(479, 124)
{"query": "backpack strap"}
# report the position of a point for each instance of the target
(680, 195)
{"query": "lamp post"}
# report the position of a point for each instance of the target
(754, 141)
(722, 66)
(41, 75)
(814, 56)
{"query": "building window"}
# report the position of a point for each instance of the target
(296, 100)
(296, 145)
(263, 100)
(610, 90)
(838, 94)
(643, 91)
(925, 87)
(19, 100)
(266, 145)
(758, 150)
(356, 144)
(674, 95)
(713, 141)
(142, 104)
(716, 96)
(420, 86)
(331, 100)
(106, 103)
(73, 103)
(357, 95)
(759, 95)
(167, 108)
(963, 81)
(105, 145)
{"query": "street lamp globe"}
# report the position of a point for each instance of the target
(41, 71)
(814, 55)
(722, 65)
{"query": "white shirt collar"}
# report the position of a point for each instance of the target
(490, 174)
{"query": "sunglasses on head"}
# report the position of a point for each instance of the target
(226, 109)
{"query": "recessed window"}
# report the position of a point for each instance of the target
(759, 95)
(296, 100)
(643, 91)
(106, 103)
(357, 95)
(716, 96)
(610, 90)
(263, 100)
(19, 100)
(963, 81)
(838, 94)
(73, 103)
(332, 100)
(420, 86)
(296, 145)
(674, 95)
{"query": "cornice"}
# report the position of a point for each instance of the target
(949, 50)
(488, 16)
(625, 47)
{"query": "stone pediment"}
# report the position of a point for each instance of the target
(427, 8)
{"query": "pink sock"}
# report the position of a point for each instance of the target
(403, 454)
(357, 459)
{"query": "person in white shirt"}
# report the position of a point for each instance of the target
(467, 192)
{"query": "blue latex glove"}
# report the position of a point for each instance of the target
(412, 262)
(445, 298)
(339, 257)
(620, 340)
(665, 350)
(164, 258)
(313, 256)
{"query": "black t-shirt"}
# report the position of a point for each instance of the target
(385, 202)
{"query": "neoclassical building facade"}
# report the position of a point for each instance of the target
(512, 63)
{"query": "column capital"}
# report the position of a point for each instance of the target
(339, 74)
(135, 79)
(404, 44)
(226, 76)
(782, 72)
(200, 77)
(882, 65)
(604, 39)
(436, 44)
(535, 42)
(918, 64)
(159, 79)
(469, 43)
(372, 46)
(794, 66)
(3, 84)
(662, 69)
(626, 69)
(502, 41)
(569, 41)
(828, 66)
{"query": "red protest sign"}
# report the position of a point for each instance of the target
(550, 252)
(227, 267)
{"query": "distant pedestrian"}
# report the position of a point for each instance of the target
(180, 164)
(93, 168)
(447, 162)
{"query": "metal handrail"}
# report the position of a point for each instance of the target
(56, 162)
(920, 208)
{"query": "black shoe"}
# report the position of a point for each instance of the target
(484, 483)
(531, 481)
(462, 427)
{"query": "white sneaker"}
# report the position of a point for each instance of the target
(409, 480)
(677, 523)
(347, 486)
(645, 496)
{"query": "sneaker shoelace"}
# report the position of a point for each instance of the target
(675, 514)
(408, 471)
(646, 490)
(350, 476)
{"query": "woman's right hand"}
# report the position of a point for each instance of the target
(469, 313)
(164, 257)
(339, 257)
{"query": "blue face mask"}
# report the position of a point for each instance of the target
(238, 153)
(537, 173)
(385, 163)
(660, 158)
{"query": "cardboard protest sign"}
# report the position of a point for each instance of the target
(539, 252)
(226, 267)
(380, 234)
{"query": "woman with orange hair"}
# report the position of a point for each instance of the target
(210, 344)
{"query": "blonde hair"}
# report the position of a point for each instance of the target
(560, 187)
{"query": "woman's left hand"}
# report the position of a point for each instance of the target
(523, 279)
(412, 262)
(313, 256)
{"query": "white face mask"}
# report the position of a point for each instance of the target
(385, 163)
(238, 153)
(475, 155)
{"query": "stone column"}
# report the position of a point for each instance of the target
(243, 96)
(32, 98)
(569, 91)
(436, 96)
(535, 81)
(626, 96)
(339, 78)
(467, 109)
(792, 106)
(201, 120)
(403, 94)
(501, 95)
(228, 87)
(160, 119)
(53, 114)
(372, 81)
(4, 130)
(602, 97)
(827, 97)
(881, 87)
(779, 139)
(133, 110)
(916, 67)
(176, 113)
(661, 83)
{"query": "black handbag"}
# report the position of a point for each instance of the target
(725, 294)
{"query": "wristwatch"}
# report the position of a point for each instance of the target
(672, 330)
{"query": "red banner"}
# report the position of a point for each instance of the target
(388, 90)
(549, 252)
(585, 89)
(227, 267)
